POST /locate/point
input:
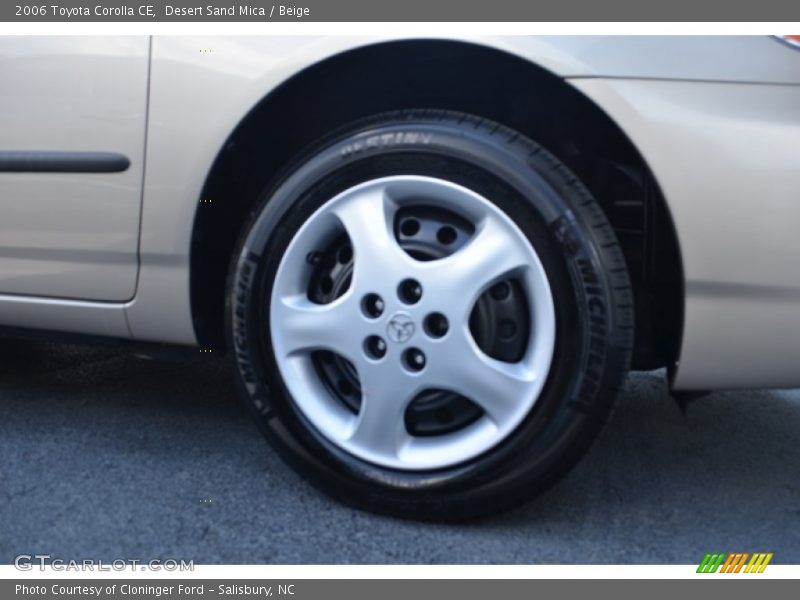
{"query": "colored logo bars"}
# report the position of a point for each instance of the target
(735, 562)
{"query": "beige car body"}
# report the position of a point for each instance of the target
(716, 119)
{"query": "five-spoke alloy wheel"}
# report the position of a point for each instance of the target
(396, 359)
(430, 316)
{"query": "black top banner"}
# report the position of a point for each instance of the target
(401, 11)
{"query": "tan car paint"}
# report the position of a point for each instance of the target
(716, 117)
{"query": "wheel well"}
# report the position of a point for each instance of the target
(455, 76)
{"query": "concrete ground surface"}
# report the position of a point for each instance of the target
(106, 455)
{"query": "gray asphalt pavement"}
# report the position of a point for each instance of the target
(105, 455)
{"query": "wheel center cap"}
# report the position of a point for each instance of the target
(400, 327)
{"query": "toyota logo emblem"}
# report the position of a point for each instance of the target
(400, 328)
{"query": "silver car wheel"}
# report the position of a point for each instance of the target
(380, 324)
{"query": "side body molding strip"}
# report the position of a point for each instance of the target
(62, 162)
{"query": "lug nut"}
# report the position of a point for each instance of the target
(409, 291)
(414, 359)
(375, 347)
(372, 305)
(436, 325)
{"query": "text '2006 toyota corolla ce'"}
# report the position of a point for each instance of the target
(432, 261)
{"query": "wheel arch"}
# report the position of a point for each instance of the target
(451, 75)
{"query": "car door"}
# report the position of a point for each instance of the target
(72, 133)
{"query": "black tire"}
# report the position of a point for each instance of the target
(584, 264)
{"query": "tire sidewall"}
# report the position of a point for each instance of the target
(549, 206)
